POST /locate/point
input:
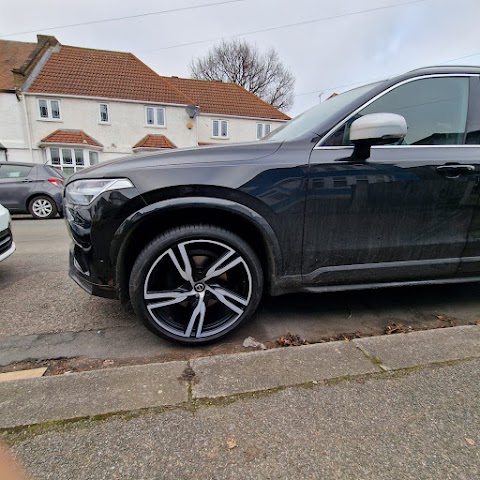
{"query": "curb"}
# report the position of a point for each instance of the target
(111, 391)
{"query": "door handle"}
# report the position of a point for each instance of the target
(456, 168)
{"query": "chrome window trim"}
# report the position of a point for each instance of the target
(381, 94)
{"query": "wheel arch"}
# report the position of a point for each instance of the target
(141, 227)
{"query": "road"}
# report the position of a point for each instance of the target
(42, 307)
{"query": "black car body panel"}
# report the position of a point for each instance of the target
(319, 219)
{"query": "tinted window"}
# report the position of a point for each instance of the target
(14, 171)
(435, 110)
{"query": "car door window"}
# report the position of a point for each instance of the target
(14, 171)
(435, 110)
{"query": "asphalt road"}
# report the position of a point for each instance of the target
(38, 298)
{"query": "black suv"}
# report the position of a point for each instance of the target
(342, 197)
(31, 188)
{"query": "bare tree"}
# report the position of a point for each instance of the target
(239, 62)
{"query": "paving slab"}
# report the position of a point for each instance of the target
(225, 375)
(405, 350)
(29, 402)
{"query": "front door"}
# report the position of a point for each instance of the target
(404, 214)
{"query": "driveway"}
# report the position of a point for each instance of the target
(42, 307)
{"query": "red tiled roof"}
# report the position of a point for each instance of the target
(226, 98)
(12, 55)
(104, 74)
(155, 141)
(76, 137)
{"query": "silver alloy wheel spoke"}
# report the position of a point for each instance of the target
(199, 313)
(170, 298)
(186, 271)
(216, 271)
(224, 295)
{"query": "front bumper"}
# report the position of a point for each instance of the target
(7, 246)
(82, 280)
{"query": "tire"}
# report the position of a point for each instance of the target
(42, 207)
(204, 299)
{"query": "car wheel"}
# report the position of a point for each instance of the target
(42, 207)
(196, 283)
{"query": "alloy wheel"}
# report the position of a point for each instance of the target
(197, 288)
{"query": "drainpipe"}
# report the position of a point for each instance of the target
(27, 124)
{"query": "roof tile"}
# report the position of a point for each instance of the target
(74, 137)
(104, 74)
(155, 141)
(224, 98)
(12, 55)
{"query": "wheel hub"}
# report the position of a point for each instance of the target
(199, 287)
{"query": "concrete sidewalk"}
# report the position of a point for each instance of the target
(188, 384)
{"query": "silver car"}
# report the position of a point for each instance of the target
(31, 188)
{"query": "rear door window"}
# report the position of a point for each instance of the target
(15, 171)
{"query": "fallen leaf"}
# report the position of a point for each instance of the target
(470, 441)
(440, 317)
(477, 322)
(231, 442)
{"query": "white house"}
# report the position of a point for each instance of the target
(74, 107)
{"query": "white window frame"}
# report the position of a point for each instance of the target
(264, 127)
(49, 117)
(103, 122)
(156, 123)
(62, 165)
(220, 124)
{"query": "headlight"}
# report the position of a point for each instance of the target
(84, 192)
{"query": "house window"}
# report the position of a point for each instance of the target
(220, 129)
(104, 114)
(155, 116)
(48, 109)
(263, 129)
(71, 160)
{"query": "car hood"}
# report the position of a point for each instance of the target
(225, 154)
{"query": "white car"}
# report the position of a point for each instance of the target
(7, 246)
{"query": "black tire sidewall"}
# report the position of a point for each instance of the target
(155, 248)
(42, 197)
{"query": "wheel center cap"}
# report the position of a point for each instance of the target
(199, 287)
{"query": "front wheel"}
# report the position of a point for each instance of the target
(196, 283)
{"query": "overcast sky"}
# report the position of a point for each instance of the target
(324, 53)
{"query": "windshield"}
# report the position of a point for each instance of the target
(306, 121)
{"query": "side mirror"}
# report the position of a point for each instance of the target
(376, 129)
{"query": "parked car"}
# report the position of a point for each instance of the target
(342, 197)
(7, 246)
(32, 188)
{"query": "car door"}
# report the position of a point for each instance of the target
(404, 213)
(16, 182)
